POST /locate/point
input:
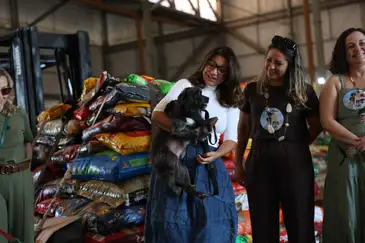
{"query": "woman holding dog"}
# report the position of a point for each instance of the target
(280, 113)
(190, 219)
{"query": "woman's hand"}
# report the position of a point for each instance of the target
(361, 144)
(239, 174)
(207, 157)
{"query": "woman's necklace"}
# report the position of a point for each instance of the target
(270, 126)
(354, 84)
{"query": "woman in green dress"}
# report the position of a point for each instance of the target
(342, 107)
(16, 182)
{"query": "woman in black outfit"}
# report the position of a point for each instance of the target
(281, 115)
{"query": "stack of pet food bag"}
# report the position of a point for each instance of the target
(105, 138)
(244, 223)
(319, 151)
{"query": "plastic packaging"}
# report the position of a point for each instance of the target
(53, 112)
(113, 194)
(111, 166)
(126, 143)
(133, 109)
(119, 218)
(116, 123)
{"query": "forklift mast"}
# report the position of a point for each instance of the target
(25, 64)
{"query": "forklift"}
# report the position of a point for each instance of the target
(25, 63)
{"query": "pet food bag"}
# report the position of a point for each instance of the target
(110, 166)
(244, 223)
(52, 128)
(53, 112)
(126, 143)
(65, 155)
(42, 207)
(134, 93)
(70, 207)
(132, 235)
(229, 164)
(81, 113)
(136, 79)
(133, 109)
(117, 123)
(237, 188)
(91, 213)
(45, 140)
(127, 192)
(119, 218)
(89, 85)
(74, 127)
(244, 239)
(241, 201)
(91, 147)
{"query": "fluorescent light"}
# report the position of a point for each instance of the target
(43, 65)
(321, 80)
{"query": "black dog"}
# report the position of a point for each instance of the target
(188, 126)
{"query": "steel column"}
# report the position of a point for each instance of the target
(141, 56)
(105, 39)
(362, 13)
(14, 14)
(291, 19)
(149, 47)
(282, 14)
(308, 36)
(161, 55)
(317, 23)
(48, 12)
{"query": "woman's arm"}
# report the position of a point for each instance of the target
(29, 150)
(328, 109)
(162, 120)
(312, 115)
(28, 136)
(315, 128)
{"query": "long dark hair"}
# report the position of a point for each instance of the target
(229, 92)
(339, 63)
(295, 76)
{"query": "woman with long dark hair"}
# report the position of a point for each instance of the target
(343, 116)
(190, 219)
(280, 113)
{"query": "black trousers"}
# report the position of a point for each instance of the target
(280, 173)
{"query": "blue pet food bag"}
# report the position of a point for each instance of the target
(111, 166)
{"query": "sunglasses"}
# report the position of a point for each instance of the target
(285, 42)
(6, 90)
(212, 65)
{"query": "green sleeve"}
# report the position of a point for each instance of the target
(28, 135)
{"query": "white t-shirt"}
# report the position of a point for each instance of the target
(227, 117)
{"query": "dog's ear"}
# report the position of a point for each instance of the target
(212, 121)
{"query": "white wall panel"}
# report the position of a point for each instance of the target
(334, 21)
(123, 63)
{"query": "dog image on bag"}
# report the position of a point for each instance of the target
(188, 127)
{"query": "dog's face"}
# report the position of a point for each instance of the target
(204, 130)
(192, 98)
